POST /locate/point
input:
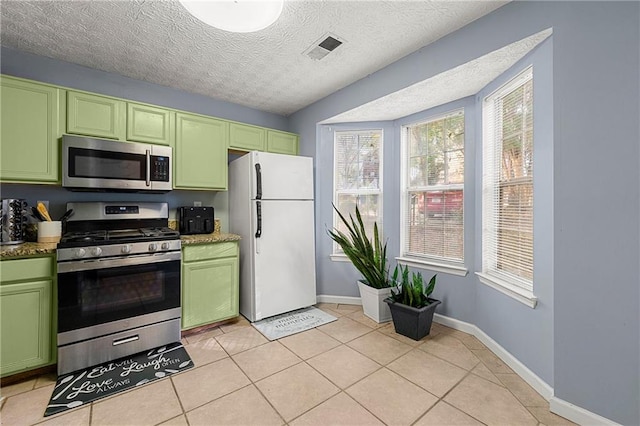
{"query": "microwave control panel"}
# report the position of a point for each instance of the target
(160, 168)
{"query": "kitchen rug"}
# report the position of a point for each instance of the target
(84, 386)
(283, 325)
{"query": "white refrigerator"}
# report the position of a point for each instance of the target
(271, 208)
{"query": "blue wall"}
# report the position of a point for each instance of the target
(584, 337)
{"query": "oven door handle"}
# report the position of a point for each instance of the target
(115, 262)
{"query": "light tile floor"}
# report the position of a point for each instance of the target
(352, 371)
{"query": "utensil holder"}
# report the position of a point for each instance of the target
(49, 232)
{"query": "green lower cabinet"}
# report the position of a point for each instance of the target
(210, 285)
(282, 142)
(32, 117)
(27, 328)
(200, 154)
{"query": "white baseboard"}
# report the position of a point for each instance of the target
(527, 375)
(577, 414)
(343, 300)
(556, 405)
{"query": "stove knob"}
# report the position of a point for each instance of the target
(96, 251)
(126, 249)
(153, 246)
(165, 246)
(80, 252)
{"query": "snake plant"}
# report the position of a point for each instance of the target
(411, 292)
(369, 257)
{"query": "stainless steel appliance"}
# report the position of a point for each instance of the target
(118, 283)
(92, 164)
(12, 220)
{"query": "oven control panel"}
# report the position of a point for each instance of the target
(121, 210)
(113, 250)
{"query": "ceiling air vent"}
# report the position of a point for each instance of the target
(325, 45)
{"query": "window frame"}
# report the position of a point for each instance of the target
(430, 262)
(516, 287)
(337, 254)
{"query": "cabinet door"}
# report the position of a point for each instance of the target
(282, 142)
(245, 137)
(209, 291)
(32, 117)
(25, 311)
(94, 115)
(150, 124)
(201, 152)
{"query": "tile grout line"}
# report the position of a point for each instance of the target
(175, 391)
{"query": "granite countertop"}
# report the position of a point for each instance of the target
(214, 237)
(40, 249)
(27, 249)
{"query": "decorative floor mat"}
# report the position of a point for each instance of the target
(84, 386)
(294, 322)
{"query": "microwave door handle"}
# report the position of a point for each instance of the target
(148, 177)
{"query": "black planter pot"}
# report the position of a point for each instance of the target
(414, 323)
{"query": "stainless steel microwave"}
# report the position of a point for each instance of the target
(105, 165)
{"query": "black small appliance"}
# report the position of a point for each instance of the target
(195, 220)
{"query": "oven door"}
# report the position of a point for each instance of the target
(104, 296)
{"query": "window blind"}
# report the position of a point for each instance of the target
(358, 177)
(433, 226)
(507, 197)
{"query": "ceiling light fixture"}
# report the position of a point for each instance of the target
(238, 16)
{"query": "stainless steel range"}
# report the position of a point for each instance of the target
(118, 283)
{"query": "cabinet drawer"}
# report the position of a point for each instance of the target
(209, 251)
(25, 269)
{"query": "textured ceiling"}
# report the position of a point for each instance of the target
(457, 83)
(159, 42)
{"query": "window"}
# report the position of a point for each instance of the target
(358, 177)
(433, 196)
(507, 186)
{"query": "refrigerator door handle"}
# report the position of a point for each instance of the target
(259, 217)
(258, 182)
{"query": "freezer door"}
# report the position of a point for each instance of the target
(284, 274)
(281, 177)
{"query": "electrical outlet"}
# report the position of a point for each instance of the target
(197, 204)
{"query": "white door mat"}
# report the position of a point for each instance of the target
(283, 325)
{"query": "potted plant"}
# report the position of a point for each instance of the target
(370, 259)
(411, 307)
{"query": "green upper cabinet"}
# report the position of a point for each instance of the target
(150, 124)
(282, 142)
(200, 155)
(32, 117)
(246, 137)
(27, 326)
(94, 115)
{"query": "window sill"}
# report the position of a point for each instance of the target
(447, 268)
(339, 258)
(521, 295)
